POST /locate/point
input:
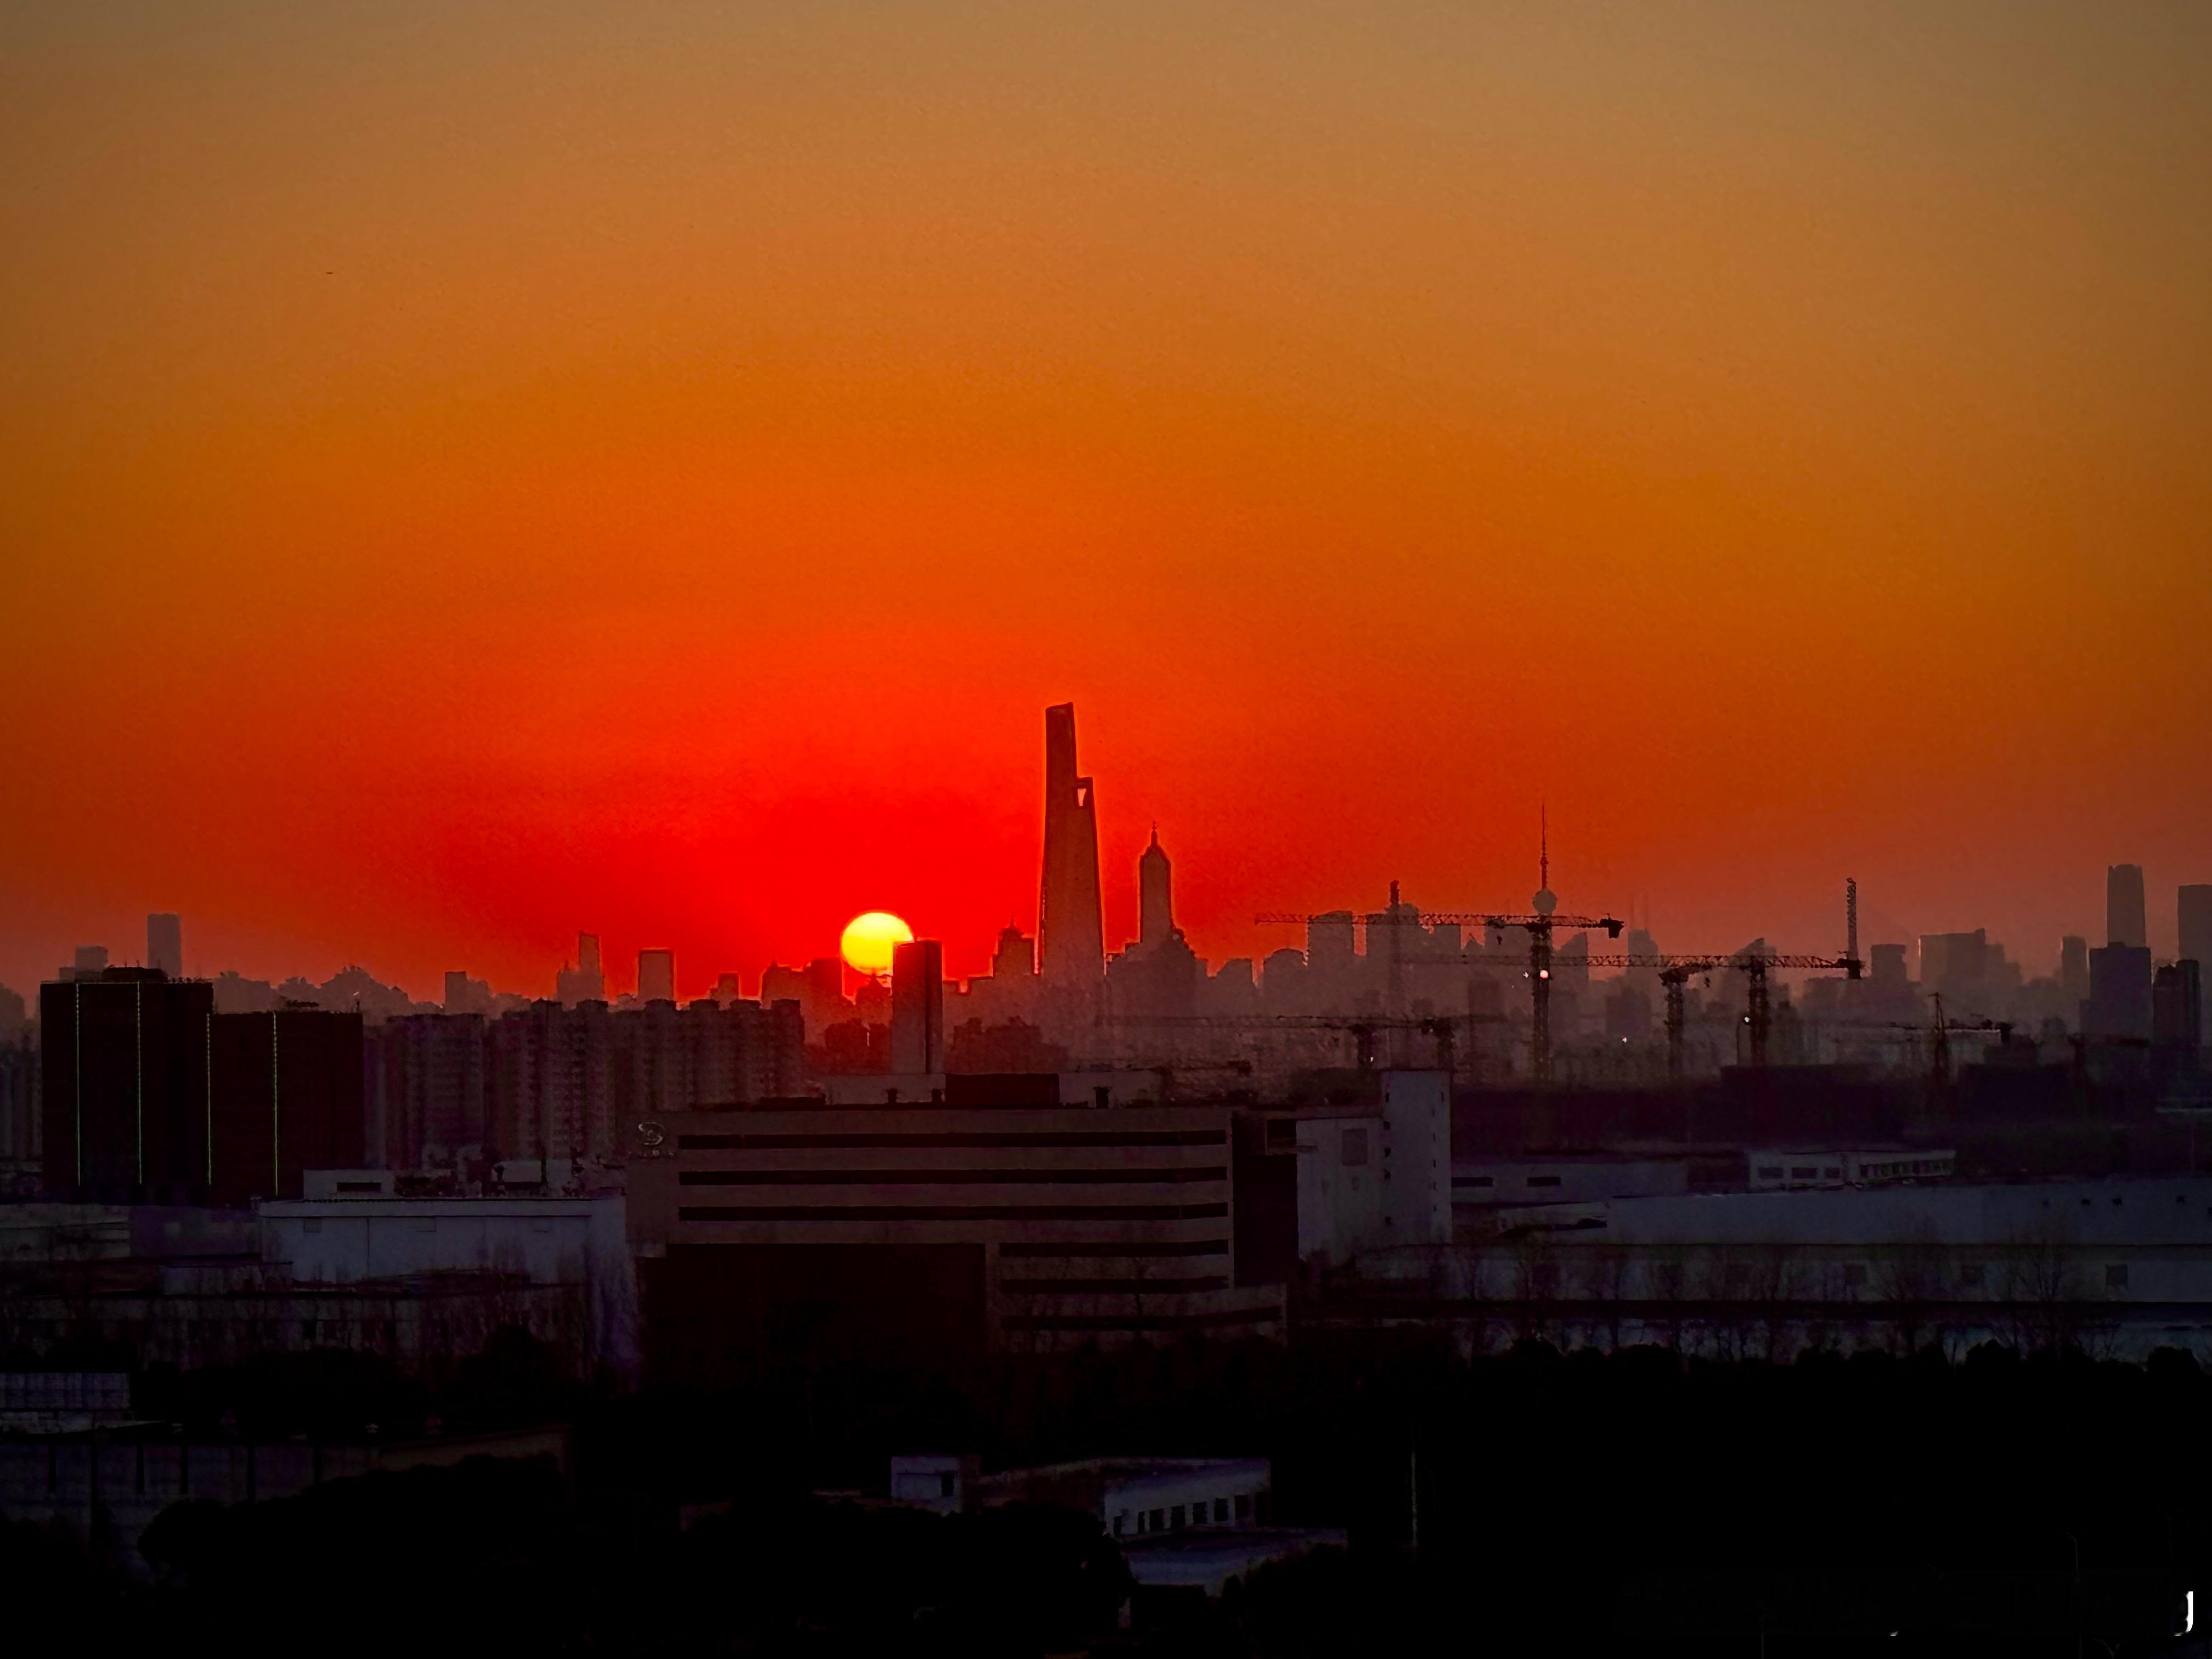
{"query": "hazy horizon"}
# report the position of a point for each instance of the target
(475, 476)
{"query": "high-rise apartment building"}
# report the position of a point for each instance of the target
(2193, 919)
(1955, 965)
(585, 982)
(2074, 969)
(2194, 909)
(288, 1098)
(466, 994)
(656, 975)
(428, 1085)
(2119, 1003)
(2126, 920)
(124, 1085)
(564, 1084)
(152, 1097)
(1071, 923)
(2176, 1007)
(918, 1008)
(165, 943)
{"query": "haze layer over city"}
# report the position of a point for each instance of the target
(672, 454)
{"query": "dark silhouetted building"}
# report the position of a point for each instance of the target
(2125, 918)
(1015, 957)
(126, 1066)
(1955, 965)
(2177, 1006)
(429, 1086)
(465, 994)
(918, 1008)
(2073, 970)
(165, 943)
(584, 982)
(656, 975)
(1071, 924)
(547, 1082)
(287, 1098)
(2194, 913)
(19, 1108)
(998, 1217)
(1155, 894)
(2119, 993)
(550, 1080)
(1160, 974)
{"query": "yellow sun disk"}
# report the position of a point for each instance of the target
(869, 939)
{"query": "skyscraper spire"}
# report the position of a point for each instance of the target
(1545, 901)
(1155, 894)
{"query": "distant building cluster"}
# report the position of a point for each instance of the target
(1495, 1121)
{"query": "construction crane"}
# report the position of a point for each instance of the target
(1940, 1035)
(1539, 924)
(1675, 971)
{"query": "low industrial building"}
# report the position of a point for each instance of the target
(1135, 1496)
(999, 1218)
(1480, 1185)
(418, 1279)
(2119, 1266)
(1168, 1567)
(1778, 1168)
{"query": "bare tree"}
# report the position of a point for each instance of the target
(2041, 1284)
(1668, 1279)
(1535, 1282)
(1911, 1280)
(1602, 1280)
(1720, 1284)
(1775, 1289)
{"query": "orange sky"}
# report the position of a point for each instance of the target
(471, 473)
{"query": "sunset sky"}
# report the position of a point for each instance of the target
(471, 473)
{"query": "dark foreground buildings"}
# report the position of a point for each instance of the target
(149, 1096)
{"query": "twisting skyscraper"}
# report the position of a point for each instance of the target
(1071, 929)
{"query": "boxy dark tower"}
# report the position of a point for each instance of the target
(287, 1098)
(126, 1067)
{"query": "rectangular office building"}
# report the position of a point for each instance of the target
(935, 1231)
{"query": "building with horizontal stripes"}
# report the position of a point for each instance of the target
(936, 1229)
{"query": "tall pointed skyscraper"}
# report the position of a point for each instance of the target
(1155, 894)
(1071, 928)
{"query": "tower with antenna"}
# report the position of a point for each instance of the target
(1545, 900)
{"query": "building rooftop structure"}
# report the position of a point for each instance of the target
(1218, 1563)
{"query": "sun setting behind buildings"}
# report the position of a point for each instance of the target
(869, 940)
(531, 536)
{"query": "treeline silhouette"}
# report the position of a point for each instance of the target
(1563, 1503)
